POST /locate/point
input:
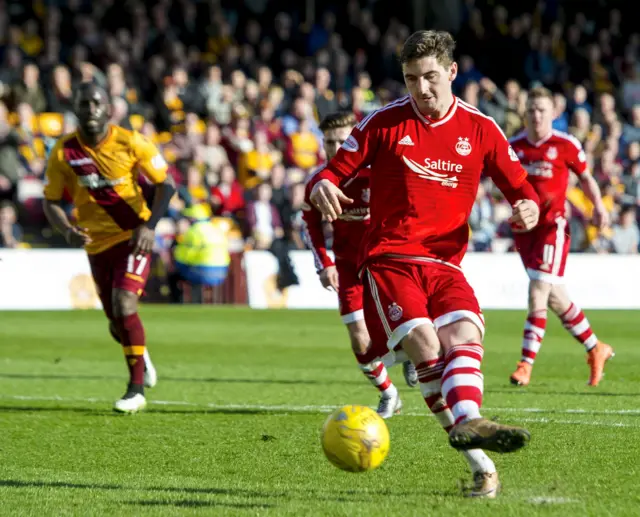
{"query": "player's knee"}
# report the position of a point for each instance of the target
(539, 294)
(423, 337)
(461, 332)
(125, 303)
(359, 337)
(113, 330)
(559, 301)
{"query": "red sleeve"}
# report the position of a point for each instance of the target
(576, 157)
(504, 168)
(314, 234)
(356, 152)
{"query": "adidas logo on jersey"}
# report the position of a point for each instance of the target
(406, 141)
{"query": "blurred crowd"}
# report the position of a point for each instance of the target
(232, 93)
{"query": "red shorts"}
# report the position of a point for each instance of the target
(117, 268)
(349, 292)
(399, 296)
(544, 250)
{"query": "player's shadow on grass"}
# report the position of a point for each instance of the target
(234, 492)
(330, 495)
(13, 483)
(214, 380)
(187, 503)
(100, 411)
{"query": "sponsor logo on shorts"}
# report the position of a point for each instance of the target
(395, 312)
(366, 195)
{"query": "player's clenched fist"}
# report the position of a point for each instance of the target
(329, 278)
(329, 199)
(525, 215)
(77, 236)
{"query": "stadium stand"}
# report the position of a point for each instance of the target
(234, 103)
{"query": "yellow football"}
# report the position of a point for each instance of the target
(355, 439)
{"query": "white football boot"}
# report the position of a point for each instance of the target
(130, 403)
(390, 404)
(150, 374)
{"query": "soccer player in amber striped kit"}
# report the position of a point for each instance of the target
(98, 165)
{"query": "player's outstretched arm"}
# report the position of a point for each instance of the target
(357, 152)
(504, 167)
(590, 187)
(58, 219)
(155, 168)
(328, 199)
(144, 236)
(56, 179)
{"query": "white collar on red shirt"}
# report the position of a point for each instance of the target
(434, 123)
(541, 141)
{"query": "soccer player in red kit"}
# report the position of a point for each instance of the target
(342, 275)
(549, 157)
(426, 153)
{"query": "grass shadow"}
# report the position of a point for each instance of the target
(213, 380)
(187, 503)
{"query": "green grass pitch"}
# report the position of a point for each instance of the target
(233, 426)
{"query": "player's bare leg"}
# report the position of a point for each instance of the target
(534, 329)
(462, 388)
(576, 323)
(423, 347)
(375, 371)
(131, 332)
(150, 373)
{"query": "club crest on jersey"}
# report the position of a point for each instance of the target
(463, 147)
(395, 312)
(350, 144)
(366, 195)
(552, 153)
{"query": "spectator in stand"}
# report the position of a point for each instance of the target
(626, 236)
(256, 166)
(303, 148)
(10, 230)
(28, 90)
(561, 117)
(263, 220)
(227, 196)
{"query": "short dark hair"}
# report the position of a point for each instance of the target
(439, 44)
(5, 203)
(86, 85)
(337, 120)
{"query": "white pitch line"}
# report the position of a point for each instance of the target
(329, 408)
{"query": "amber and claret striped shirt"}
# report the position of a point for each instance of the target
(103, 183)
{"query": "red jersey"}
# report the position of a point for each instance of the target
(548, 163)
(424, 177)
(350, 227)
